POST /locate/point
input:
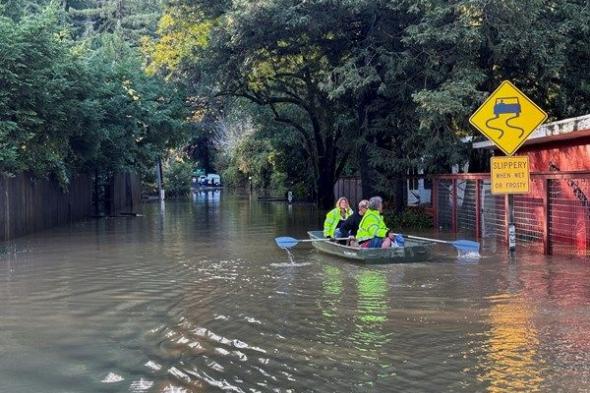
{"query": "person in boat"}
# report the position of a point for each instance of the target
(336, 217)
(372, 232)
(351, 225)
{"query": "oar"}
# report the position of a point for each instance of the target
(463, 245)
(285, 242)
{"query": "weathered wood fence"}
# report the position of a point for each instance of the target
(28, 204)
(124, 194)
(351, 188)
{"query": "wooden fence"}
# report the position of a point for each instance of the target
(124, 194)
(28, 204)
(349, 187)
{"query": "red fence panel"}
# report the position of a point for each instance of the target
(554, 217)
(530, 216)
(569, 216)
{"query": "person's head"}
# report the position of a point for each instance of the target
(376, 203)
(342, 203)
(363, 206)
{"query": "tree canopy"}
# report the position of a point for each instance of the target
(71, 105)
(381, 87)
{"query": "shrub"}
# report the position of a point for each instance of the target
(410, 218)
(177, 178)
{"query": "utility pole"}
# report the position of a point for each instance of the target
(159, 180)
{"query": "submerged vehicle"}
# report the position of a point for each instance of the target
(413, 251)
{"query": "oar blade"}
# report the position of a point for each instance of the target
(466, 245)
(286, 242)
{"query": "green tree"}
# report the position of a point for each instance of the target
(79, 106)
(133, 18)
(386, 86)
(281, 66)
(177, 175)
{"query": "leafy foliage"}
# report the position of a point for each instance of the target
(131, 18)
(177, 176)
(70, 106)
(383, 87)
(409, 218)
(242, 158)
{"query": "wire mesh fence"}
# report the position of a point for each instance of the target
(445, 204)
(493, 223)
(569, 216)
(466, 205)
(529, 215)
(554, 217)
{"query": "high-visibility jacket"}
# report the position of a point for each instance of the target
(332, 219)
(372, 225)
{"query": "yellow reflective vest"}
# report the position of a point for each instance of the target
(332, 219)
(372, 225)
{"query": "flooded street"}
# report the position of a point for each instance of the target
(198, 298)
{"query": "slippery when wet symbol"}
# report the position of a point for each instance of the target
(508, 117)
(506, 106)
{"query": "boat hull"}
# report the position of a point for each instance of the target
(413, 251)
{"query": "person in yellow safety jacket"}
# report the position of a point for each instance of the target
(335, 217)
(372, 232)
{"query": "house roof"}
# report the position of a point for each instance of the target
(567, 129)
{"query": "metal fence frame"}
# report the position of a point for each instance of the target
(542, 217)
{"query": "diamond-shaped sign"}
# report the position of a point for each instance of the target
(508, 117)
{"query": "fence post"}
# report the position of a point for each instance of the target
(454, 207)
(546, 217)
(506, 218)
(434, 201)
(477, 209)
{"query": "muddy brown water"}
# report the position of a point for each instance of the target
(196, 297)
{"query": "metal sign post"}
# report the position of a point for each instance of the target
(507, 118)
(511, 226)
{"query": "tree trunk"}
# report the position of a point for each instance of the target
(325, 184)
(325, 193)
(400, 194)
(367, 174)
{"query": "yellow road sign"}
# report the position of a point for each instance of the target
(510, 175)
(508, 117)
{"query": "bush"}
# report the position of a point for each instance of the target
(177, 178)
(410, 218)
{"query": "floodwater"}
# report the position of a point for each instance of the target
(197, 298)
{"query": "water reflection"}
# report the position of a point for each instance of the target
(512, 347)
(333, 286)
(372, 291)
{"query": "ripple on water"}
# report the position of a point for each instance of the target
(112, 378)
(153, 365)
(162, 305)
(141, 385)
(290, 264)
(174, 389)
